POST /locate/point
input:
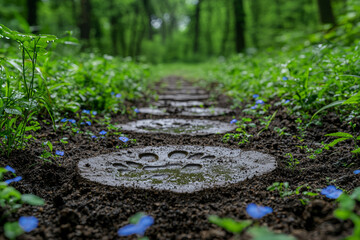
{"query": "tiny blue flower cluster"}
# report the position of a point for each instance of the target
(256, 211)
(59, 153)
(257, 102)
(16, 179)
(139, 228)
(68, 120)
(124, 139)
(331, 192)
(28, 223)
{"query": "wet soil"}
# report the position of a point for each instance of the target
(77, 208)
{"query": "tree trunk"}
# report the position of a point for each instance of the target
(32, 15)
(209, 30)
(85, 20)
(326, 12)
(239, 25)
(197, 27)
(255, 11)
(137, 33)
(114, 34)
(226, 28)
(148, 11)
(122, 38)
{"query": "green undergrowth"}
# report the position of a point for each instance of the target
(38, 80)
(310, 78)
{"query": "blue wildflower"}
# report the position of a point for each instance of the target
(255, 95)
(233, 121)
(63, 120)
(139, 228)
(103, 132)
(94, 113)
(256, 211)
(72, 121)
(86, 111)
(18, 178)
(124, 139)
(118, 95)
(284, 78)
(357, 171)
(93, 136)
(331, 192)
(28, 223)
(259, 101)
(287, 101)
(254, 107)
(136, 110)
(82, 123)
(112, 93)
(88, 123)
(10, 169)
(59, 153)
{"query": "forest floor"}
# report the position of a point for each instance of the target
(77, 208)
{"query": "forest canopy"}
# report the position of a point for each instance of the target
(185, 30)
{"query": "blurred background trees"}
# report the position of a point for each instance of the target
(185, 30)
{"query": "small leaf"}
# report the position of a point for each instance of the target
(356, 150)
(342, 213)
(262, 233)
(32, 200)
(328, 106)
(336, 141)
(310, 194)
(356, 194)
(230, 224)
(353, 100)
(339, 134)
(346, 203)
(12, 230)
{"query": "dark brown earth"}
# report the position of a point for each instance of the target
(79, 209)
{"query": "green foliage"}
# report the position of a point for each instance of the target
(21, 99)
(262, 233)
(341, 136)
(230, 224)
(242, 136)
(237, 227)
(10, 201)
(346, 210)
(284, 190)
(291, 161)
(267, 121)
(40, 80)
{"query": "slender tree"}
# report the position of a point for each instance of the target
(326, 12)
(239, 25)
(226, 28)
(85, 19)
(197, 27)
(114, 28)
(255, 12)
(209, 28)
(149, 12)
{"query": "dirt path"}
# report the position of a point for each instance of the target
(77, 208)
